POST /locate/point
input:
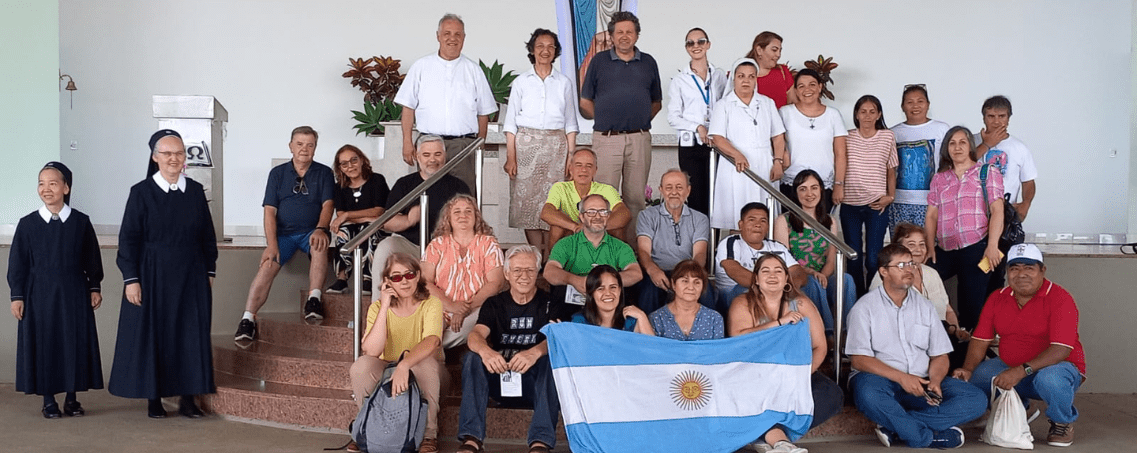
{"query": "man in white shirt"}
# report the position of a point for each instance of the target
(447, 94)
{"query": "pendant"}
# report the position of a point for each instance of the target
(755, 122)
(357, 193)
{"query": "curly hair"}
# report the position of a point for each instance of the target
(443, 226)
(754, 295)
(532, 43)
(364, 162)
(421, 292)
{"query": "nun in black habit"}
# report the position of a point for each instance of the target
(54, 272)
(168, 255)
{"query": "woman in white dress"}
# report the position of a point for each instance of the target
(745, 126)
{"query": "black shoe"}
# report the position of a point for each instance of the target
(313, 309)
(155, 409)
(189, 409)
(338, 287)
(51, 411)
(73, 409)
(246, 331)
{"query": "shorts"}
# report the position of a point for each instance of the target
(288, 244)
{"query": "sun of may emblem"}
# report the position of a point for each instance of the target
(691, 390)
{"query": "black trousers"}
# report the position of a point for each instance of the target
(696, 161)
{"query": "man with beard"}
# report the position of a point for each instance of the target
(574, 256)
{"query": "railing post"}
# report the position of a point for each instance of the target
(710, 208)
(838, 317)
(423, 234)
(479, 154)
(357, 290)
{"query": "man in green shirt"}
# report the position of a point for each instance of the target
(575, 255)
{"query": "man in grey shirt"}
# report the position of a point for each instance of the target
(668, 233)
(898, 349)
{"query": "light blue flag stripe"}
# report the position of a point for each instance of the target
(689, 435)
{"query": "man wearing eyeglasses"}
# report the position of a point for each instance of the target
(668, 233)
(899, 353)
(574, 256)
(297, 210)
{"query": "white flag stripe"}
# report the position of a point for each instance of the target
(648, 392)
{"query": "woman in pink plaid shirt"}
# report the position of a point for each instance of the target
(961, 220)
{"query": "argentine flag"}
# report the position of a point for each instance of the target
(629, 392)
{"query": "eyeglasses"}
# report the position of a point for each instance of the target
(901, 266)
(170, 154)
(700, 41)
(597, 212)
(348, 163)
(678, 238)
(523, 271)
(300, 188)
(400, 277)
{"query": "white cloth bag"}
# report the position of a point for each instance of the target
(1007, 425)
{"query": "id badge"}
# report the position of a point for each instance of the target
(511, 384)
(686, 138)
(572, 296)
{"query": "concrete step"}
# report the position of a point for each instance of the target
(293, 406)
(291, 330)
(281, 364)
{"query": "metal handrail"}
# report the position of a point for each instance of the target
(842, 249)
(354, 245)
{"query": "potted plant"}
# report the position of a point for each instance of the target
(379, 80)
(500, 84)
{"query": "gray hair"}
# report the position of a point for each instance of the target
(580, 205)
(519, 249)
(426, 138)
(669, 171)
(450, 16)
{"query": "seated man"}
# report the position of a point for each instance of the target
(560, 210)
(506, 345)
(682, 234)
(736, 254)
(899, 354)
(574, 256)
(430, 155)
(298, 210)
(1040, 355)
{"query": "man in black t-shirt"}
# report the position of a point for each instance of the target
(506, 343)
(430, 155)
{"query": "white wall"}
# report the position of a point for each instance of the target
(276, 65)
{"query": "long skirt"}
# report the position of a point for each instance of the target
(541, 158)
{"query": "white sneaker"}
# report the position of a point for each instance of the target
(783, 446)
(761, 447)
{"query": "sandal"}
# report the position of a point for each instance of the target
(539, 448)
(428, 446)
(468, 448)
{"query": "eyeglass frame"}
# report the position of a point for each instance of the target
(408, 275)
(902, 265)
(353, 161)
(700, 41)
(597, 212)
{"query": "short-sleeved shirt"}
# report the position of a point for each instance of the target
(810, 142)
(962, 211)
(866, 175)
(622, 91)
(1015, 163)
(404, 333)
(708, 325)
(917, 152)
(459, 275)
(296, 212)
(373, 193)
(1050, 317)
(672, 242)
(629, 323)
(577, 255)
(446, 95)
(515, 327)
(735, 248)
(564, 197)
(437, 196)
(904, 338)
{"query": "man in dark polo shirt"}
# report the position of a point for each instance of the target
(622, 93)
(430, 155)
(298, 209)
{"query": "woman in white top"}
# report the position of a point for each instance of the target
(917, 142)
(745, 126)
(540, 131)
(692, 94)
(815, 138)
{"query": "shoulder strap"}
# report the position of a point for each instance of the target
(983, 188)
(730, 247)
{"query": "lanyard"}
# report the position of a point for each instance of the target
(706, 92)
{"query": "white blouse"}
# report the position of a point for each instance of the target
(548, 104)
(691, 100)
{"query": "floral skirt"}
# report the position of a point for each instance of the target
(540, 163)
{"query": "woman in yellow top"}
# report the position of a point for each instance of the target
(404, 318)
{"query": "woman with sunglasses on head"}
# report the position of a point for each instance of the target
(693, 93)
(870, 186)
(359, 198)
(404, 324)
(772, 302)
(774, 80)
(604, 304)
(462, 266)
(917, 145)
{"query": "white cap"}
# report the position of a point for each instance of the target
(1024, 253)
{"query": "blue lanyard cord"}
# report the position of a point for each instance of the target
(706, 92)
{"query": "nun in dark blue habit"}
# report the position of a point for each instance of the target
(167, 254)
(54, 271)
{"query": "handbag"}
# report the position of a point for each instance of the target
(1007, 426)
(1013, 233)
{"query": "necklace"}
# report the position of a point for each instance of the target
(811, 120)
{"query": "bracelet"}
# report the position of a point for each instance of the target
(839, 183)
(779, 159)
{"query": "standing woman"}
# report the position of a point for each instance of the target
(604, 305)
(692, 95)
(746, 127)
(774, 80)
(540, 132)
(168, 256)
(815, 138)
(961, 218)
(917, 146)
(54, 271)
(870, 186)
(358, 199)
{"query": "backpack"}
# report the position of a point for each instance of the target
(391, 425)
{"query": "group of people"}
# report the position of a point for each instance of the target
(612, 261)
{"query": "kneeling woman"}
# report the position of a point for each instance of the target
(685, 318)
(773, 302)
(404, 318)
(604, 305)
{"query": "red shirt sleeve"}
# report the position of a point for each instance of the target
(985, 329)
(1063, 316)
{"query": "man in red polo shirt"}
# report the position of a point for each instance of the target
(1040, 355)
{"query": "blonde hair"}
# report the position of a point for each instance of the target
(443, 226)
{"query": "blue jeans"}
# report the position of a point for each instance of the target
(911, 417)
(537, 389)
(828, 399)
(812, 289)
(850, 298)
(1055, 384)
(874, 224)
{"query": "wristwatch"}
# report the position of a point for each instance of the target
(1028, 369)
(325, 230)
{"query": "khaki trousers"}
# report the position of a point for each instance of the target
(623, 161)
(430, 374)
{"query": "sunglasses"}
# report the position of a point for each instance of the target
(700, 41)
(915, 85)
(300, 188)
(400, 277)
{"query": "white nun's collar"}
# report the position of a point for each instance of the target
(165, 186)
(63, 213)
